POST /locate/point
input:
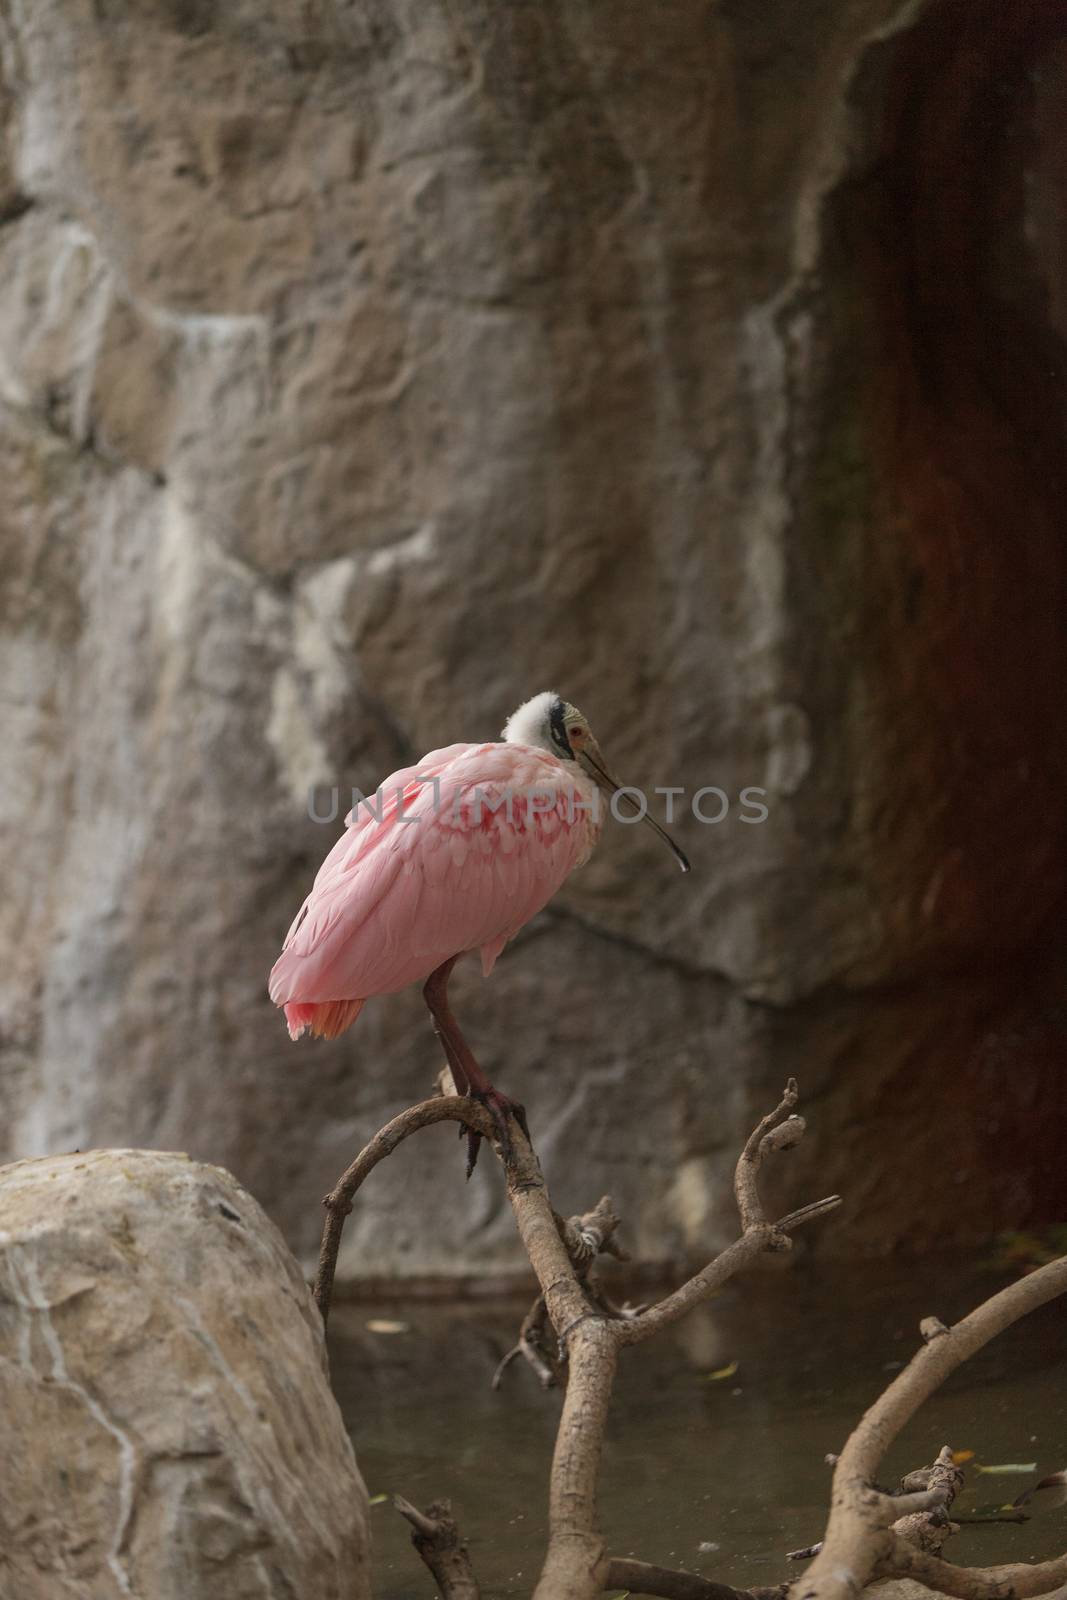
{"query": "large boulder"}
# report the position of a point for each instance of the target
(169, 1429)
(365, 368)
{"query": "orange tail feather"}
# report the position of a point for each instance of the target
(325, 1018)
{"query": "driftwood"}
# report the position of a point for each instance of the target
(437, 1540)
(863, 1540)
(573, 1334)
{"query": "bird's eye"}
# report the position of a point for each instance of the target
(574, 733)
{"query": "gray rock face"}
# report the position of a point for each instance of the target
(365, 369)
(171, 1433)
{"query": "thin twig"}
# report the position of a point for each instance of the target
(531, 1346)
(808, 1213)
(1014, 1515)
(758, 1238)
(746, 1192)
(805, 1553)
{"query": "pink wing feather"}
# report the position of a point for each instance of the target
(395, 898)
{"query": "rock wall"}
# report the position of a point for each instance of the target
(366, 368)
(171, 1429)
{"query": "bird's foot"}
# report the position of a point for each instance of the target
(474, 1144)
(500, 1108)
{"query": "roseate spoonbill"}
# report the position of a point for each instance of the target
(452, 855)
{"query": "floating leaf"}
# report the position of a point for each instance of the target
(1008, 1467)
(722, 1372)
(377, 1499)
(960, 1457)
(383, 1325)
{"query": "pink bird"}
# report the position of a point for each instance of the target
(453, 855)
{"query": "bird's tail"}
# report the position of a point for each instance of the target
(325, 1018)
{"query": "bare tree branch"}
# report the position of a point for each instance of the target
(590, 1332)
(338, 1203)
(917, 1510)
(575, 1564)
(805, 1553)
(585, 1237)
(590, 1235)
(857, 1543)
(640, 1577)
(870, 1534)
(436, 1538)
(781, 1130)
(583, 1331)
(993, 1516)
(760, 1238)
(1017, 1581)
(575, 1552)
(808, 1213)
(746, 1193)
(922, 1519)
(532, 1347)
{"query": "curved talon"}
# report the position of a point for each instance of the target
(474, 1144)
(500, 1108)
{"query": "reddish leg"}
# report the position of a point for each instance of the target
(468, 1075)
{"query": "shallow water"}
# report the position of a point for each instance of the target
(735, 1463)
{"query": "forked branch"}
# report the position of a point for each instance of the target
(1019, 1580)
(859, 1544)
(590, 1333)
(586, 1237)
(576, 1565)
(437, 1540)
(871, 1534)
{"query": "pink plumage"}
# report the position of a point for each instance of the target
(452, 855)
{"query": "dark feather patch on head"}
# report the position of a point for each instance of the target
(557, 722)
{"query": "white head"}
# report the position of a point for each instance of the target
(548, 722)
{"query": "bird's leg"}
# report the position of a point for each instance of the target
(468, 1075)
(434, 998)
(455, 1066)
(459, 1078)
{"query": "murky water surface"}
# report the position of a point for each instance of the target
(733, 1465)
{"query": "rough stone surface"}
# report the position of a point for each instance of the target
(366, 368)
(170, 1429)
